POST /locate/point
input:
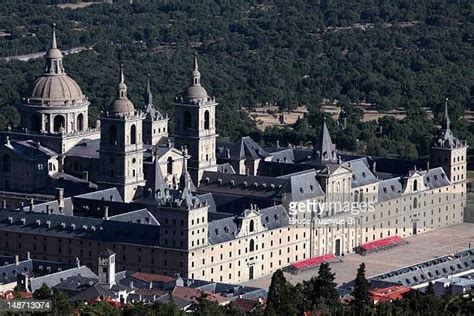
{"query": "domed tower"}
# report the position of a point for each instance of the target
(54, 102)
(195, 126)
(449, 152)
(121, 145)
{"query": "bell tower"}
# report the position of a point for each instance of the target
(121, 145)
(196, 126)
(449, 152)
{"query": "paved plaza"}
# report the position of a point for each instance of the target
(422, 247)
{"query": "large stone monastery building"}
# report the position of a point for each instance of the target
(189, 204)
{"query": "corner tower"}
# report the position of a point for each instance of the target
(196, 126)
(121, 145)
(449, 152)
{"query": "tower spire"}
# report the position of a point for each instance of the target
(196, 66)
(53, 38)
(196, 75)
(324, 150)
(148, 94)
(446, 121)
(122, 87)
(54, 57)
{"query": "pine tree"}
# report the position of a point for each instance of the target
(281, 296)
(361, 300)
(43, 293)
(320, 292)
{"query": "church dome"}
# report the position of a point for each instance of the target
(55, 88)
(121, 106)
(196, 92)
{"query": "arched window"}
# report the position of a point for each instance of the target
(356, 196)
(133, 134)
(415, 203)
(58, 122)
(6, 163)
(80, 122)
(415, 185)
(187, 119)
(252, 245)
(169, 165)
(206, 120)
(113, 134)
(251, 226)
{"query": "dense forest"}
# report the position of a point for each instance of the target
(391, 53)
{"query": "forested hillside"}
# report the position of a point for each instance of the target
(388, 53)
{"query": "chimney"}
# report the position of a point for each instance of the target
(47, 209)
(28, 255)
(4, 204)
(106, 212)
(17, 259)
(277, 144)
(130, 284)
(78, 262)
(60, 196)
(428, 165)
(374, 167)
(85, 175)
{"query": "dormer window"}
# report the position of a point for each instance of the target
(364, 174)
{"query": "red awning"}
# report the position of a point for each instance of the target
(313, 262)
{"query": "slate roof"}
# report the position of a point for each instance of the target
(32, 267)
(76, 283)
(394, 187)
(87, 228)
(276, 169)
(54, 279)
(92, 293)
(52, 207)
(431, 269)
(87, 148)
(243, 148)
(435, 178)
(30, 149)
(142, 216)
(111, 194)
(324, 150)
(243, 185)
(225, 168)
(361, 174)
(226, 228)
(285, 155)
(303, 185)
(390, 189)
